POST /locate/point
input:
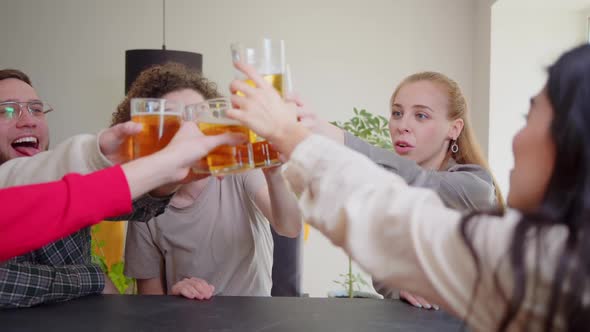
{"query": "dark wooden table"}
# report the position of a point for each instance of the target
(167, 313)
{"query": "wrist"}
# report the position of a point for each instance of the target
(98, 156)
(289, 137)
(150, 172)
(272, 172)
(334, 133)
(171, 174)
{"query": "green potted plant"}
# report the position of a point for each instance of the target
(124, 284)
(375, 130)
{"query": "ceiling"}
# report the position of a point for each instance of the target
(575, 5)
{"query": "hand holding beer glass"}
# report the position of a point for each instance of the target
(161, 119)
(211, 119)
(263, 110)
(268, 58)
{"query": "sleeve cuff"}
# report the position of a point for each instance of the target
(298, 171)
(98, 159)
(92, 280)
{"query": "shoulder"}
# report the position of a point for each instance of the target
(474, 171)
(251, 180)
(468, 186)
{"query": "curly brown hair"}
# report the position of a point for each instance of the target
(156, 81)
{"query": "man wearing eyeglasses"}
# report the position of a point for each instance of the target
(23, 127)
(61, 270)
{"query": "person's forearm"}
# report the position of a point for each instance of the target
(334, 132)
(79, 154)
(287, 140)
(26, 285)
(141, 177)
(286, 217)
(370, 213)
(324, 128)
(59, 208)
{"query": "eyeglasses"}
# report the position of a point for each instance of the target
(10, 110)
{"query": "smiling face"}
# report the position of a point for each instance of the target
(26, 135)
(419, 125)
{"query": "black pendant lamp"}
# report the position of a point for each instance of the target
(138, 60)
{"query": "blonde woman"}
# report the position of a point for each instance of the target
(434, 148)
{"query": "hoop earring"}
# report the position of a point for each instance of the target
(454, 147)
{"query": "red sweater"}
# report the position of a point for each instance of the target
(34, 215)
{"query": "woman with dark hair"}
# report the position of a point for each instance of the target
(525, 269)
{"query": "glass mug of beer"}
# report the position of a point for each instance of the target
(268, 57)
(160, 121)
(211, 119)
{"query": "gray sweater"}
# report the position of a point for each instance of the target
(463, 187)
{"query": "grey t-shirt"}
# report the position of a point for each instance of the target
(222, 238)
(463, 187)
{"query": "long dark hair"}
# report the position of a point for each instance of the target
(566, 203)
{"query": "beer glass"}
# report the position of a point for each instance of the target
(160, 121)
(268, 57)
(125, 152)
(211, 119)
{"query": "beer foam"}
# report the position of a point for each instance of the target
(179, 114)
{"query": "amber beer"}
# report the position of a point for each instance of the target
(263, 153)
(125, 152)
(211, 120)
(267, 56)
(201, 167)
(227, 159)
(157, 131)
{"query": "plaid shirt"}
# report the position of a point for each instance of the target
(62, 270)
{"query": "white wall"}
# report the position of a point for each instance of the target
(525, 40)
(480, 104)
(343, 54)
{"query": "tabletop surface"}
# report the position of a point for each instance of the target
(170, 313)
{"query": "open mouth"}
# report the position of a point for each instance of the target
(403, 147)
(26, 146)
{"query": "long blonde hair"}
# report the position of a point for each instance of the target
(469, 149)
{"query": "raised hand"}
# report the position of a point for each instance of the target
(111, 139)
(189, 145)
(167, 168)
(262, 109)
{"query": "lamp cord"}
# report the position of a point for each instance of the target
(163, 24)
